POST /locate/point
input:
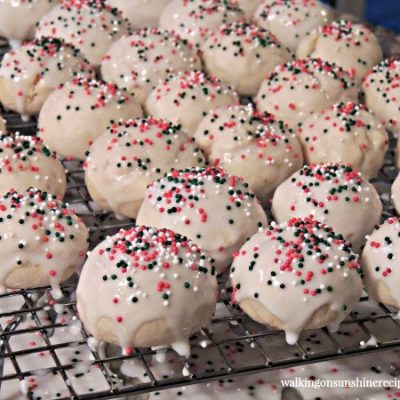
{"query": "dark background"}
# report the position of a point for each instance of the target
(381, 12)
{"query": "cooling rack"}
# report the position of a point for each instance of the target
(231, 345)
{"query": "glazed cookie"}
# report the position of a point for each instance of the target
(79, 112)
(352, 46)
(253, 51)
(140, 13)
(29, 74)
(382, 90)
(297, 89)
(130, 156)
(252, 145)
(90, 25)
(139, 62)
(215, 210)
(346, 133)
(291, 20)
(146, 287)
(18, 18)
(26, 162)
(185, 98)
(42, 241)
(334, 194)
(301, 262)
(380, 263)
(195, 20)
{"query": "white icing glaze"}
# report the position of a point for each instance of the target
(29, 74)
(217, 211)
(297, 89)
(131, 155)
(253, 50)
(382, 90)
(282, 267)
(195, 20)
(396, 193)
(291, 20)
(252, 145)
(248, 7)
(140, 13)
(90, 25)
(39, 230)
(79, 112)
(3, 127)
(346, 133)
(380, 263)
(139, 61)
(186, 97)
(352, 46)
(18, 18)
(143, 275)
(25, 162)
(334, 194)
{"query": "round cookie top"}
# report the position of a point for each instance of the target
(204, 204)
(39, 67)
(380, 262)
(26, 162)
(144, 274)
(253, 50)
(381, 87)
(345, 133)
(139, 61)
(140, 13)
(84, 108)
(90, 25)
(19, 18)
(195, 20)
(36, 229)
(250, 144)
(291, 20)
(300, 262)
(186, 97)
(352, 46)
(131, 155)
(335, 194)
(299, 88)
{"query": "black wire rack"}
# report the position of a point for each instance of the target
(231, 345)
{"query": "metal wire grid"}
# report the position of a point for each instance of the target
(261, 349)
